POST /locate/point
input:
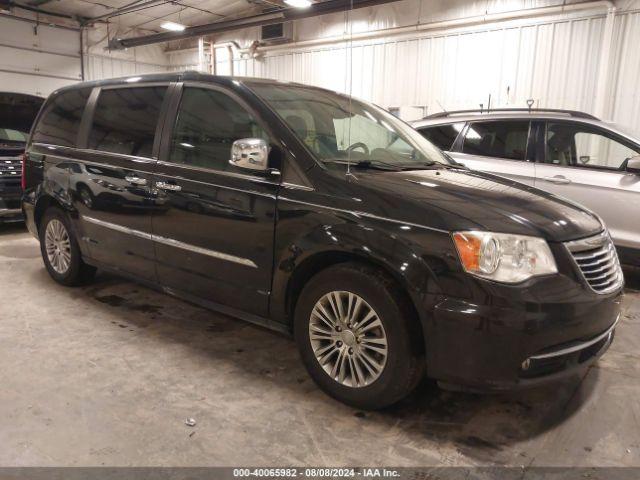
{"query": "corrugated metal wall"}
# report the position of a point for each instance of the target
(103, 66)
(101, 63)
(37, 60)
(553, 60)
(624, 101)
(554, 63)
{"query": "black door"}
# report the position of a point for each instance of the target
(111, 184)
(215, 240)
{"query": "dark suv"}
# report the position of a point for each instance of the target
(309, 212)
(17, 113)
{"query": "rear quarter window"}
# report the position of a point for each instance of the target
(60, 120)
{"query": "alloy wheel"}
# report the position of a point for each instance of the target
(348, 339)
(58, 246)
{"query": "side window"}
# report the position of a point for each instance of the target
(125, 120)
(60, 120)
(577, 145)
(442, 136)
(208, 123)
(500, 139)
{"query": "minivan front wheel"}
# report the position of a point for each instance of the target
(60, 250)
(354, 332)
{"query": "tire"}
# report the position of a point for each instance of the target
(60, 250)
(356, 384)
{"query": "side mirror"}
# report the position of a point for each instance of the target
(250, 154)
(633, 165)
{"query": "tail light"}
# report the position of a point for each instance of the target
(23, 181)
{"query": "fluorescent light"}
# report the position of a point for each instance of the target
(298, 3)
(174, 27)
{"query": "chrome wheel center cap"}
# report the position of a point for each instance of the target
(348, 338)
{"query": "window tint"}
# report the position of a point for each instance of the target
(125, 120)
(337, 129)
(60, 121)
(570, 144)
(505, 139)
(208, 123)
(442, 136)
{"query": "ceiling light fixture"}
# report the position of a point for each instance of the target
(174, 27)
(298, 3)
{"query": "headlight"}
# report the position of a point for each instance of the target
(503, 257)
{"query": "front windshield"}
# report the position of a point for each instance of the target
(336, 129)
(8, 135)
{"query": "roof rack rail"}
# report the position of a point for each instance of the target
(571, 113)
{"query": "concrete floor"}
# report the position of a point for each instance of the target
(107, 374)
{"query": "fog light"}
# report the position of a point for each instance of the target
(526, 364)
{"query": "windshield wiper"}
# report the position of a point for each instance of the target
(368, 164)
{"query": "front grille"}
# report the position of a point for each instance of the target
(11, 167)
(597, 260)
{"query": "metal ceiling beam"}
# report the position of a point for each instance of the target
(129, 8)
(323, 8)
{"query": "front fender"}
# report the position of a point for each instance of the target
(413, 256)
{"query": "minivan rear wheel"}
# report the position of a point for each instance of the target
(60, 250)
(355, 334)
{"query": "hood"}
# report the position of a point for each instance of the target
(451, 199)
(18, 110)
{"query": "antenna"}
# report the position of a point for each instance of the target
(349, 69)
(530, 103)
(440, 105)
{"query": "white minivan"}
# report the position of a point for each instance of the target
(568, 153)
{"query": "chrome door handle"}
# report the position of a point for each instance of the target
(559, 179)
(168, 186)
(135, 180)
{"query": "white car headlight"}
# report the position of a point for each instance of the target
(503, 257)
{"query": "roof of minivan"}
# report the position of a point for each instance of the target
(173, 77)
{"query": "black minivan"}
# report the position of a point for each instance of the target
(313, 213)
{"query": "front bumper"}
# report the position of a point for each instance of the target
(504, 347)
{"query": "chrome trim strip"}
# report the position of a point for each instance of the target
(363, 214)
(118, 228)
(194, 168)
(204, 251)
(295, 186)
(588, 243)
(5, 212)
(172, 242)
(581, 346)
(97, 152)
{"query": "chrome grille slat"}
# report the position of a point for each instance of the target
(602, 268)
(10, 167)
(597, 260)
(590, 255)
(609, 257)
(600, 277)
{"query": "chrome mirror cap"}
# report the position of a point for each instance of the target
(250, 154)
